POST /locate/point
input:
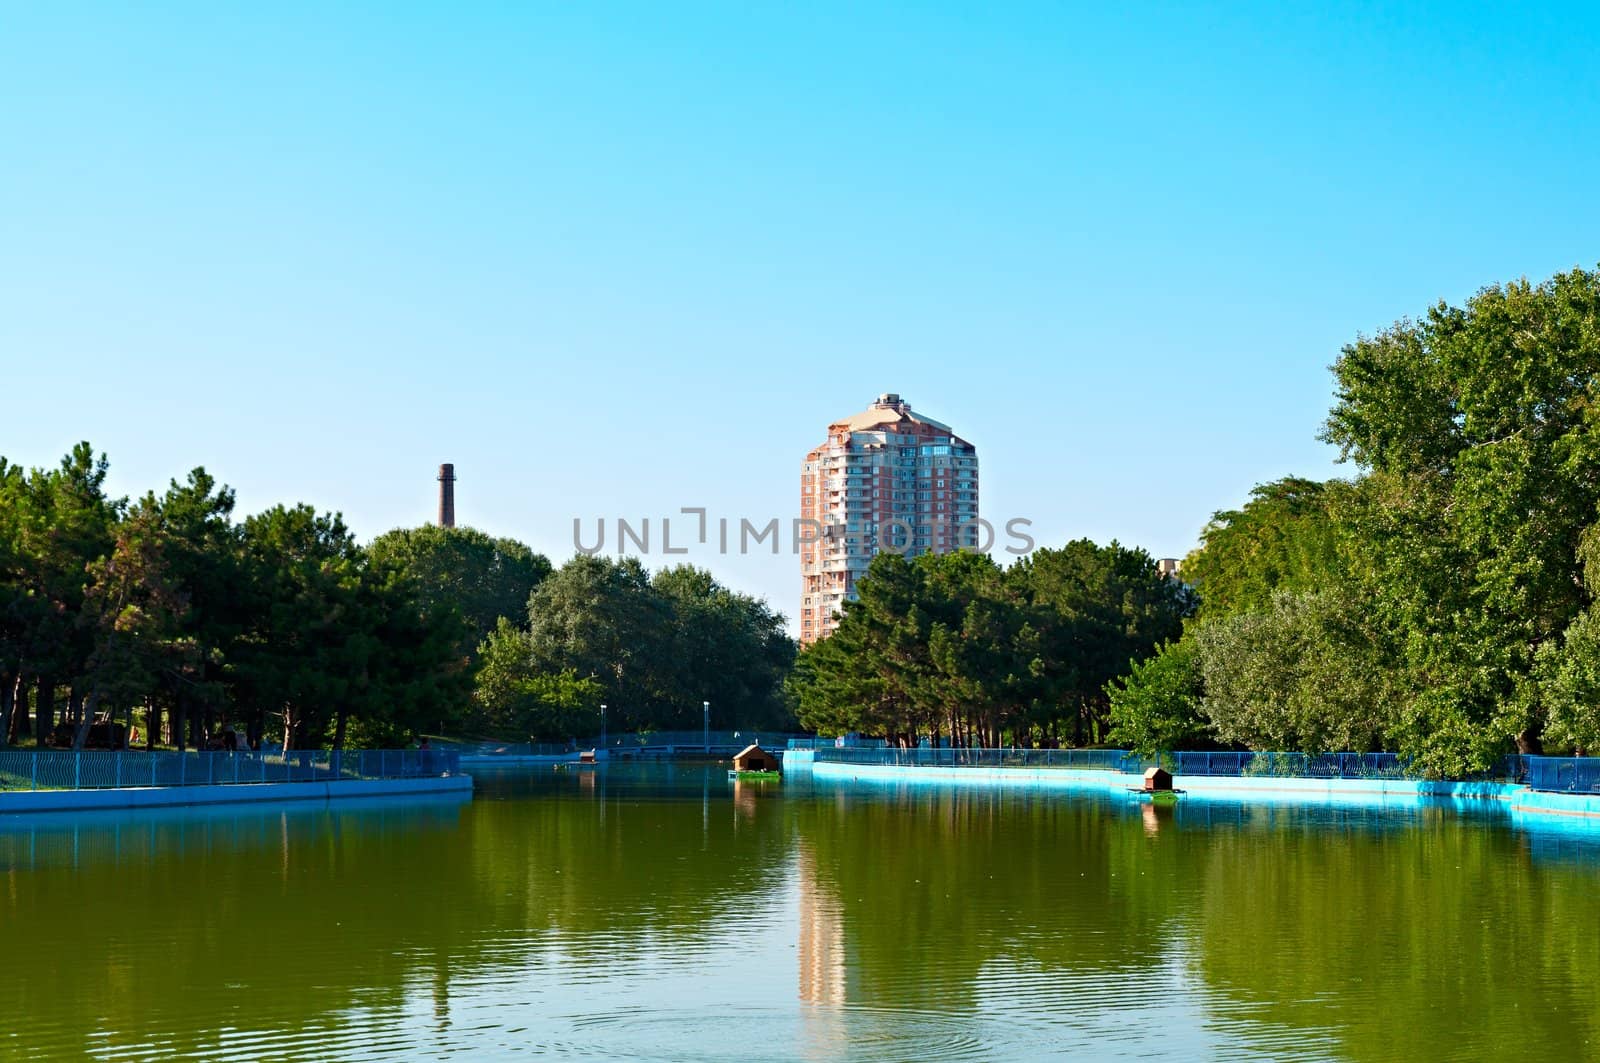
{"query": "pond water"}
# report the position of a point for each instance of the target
(663, 912)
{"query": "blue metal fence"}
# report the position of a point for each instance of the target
(1512, 768)
(629, 742)
(699, 739)
(1564, 774)
(848, 742)
(94, 769)
(1295, 765)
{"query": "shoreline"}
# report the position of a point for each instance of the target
(134, 797)
(1515, 797)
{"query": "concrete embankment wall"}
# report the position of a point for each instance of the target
(1033, 778)
(1542, 803)
(1264, 789)
(1337, 791)
(173, 796)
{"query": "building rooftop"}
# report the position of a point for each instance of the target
(887, 411)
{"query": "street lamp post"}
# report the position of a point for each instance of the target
(602, 725)
(705, 707)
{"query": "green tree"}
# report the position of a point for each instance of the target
(1096, 608)
(600, 618)
(983, 649)
(513, 700)
(1305, 674)
(1157, 706)
(16, 600)
(1284, 539)
(64, 524)
(199, 557)
(1476, 430)
(659, 646)
(1568, 674)
(730, 649)
(865, 676)
(407, 673)
(953, 645)
(138, 613)
(302, 577)
(481, 577)
(339, 640)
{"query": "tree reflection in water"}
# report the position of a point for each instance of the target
(957, 920)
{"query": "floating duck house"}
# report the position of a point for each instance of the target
(754, 758)
(1157, 779)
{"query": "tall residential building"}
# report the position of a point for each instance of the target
(885, 479)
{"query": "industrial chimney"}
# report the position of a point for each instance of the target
(447, 496)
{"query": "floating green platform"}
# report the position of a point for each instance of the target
(1157, 797)
(757, 776)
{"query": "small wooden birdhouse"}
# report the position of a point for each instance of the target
(1157, 779)
(754, 758)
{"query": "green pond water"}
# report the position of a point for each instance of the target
(664, 912)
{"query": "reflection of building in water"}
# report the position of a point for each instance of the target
(822, 966)
(824, 991)
(745, 796)
(1153, 817)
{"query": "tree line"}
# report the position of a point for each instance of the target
(1441, 602)
(955, 648)
(168, 614)
(650, 647)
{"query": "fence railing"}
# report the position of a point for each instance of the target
(1564, 774)
(95, 769)
(1510, 768)
(1577, 773)
(848, 742)
(626, 742)
(657, 739)
(1293, 765)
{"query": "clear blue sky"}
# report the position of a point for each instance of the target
(618, 259)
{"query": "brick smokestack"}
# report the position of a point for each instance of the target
(447, 496)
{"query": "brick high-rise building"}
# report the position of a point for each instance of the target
(885, 479)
